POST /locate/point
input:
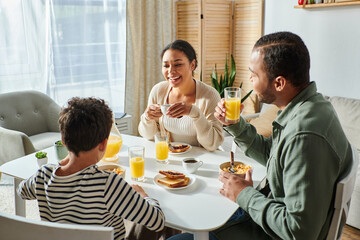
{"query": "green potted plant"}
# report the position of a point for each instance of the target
(41, 155)
(41, 158)
(227, 80)
(61, 151)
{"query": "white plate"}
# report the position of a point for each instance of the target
(192, 181)
(180, 143)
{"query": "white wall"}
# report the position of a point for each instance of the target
(332, 36)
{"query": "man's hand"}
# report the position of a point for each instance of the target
(220, 112)
(233, 184)
(139, 190)
(153, 112)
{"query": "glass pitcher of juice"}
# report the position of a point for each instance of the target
(113, 145)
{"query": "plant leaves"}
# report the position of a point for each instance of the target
(221, 93)
(227, 80)
(226, 74)
(246, 96)
(221, 83)
(214, 80)
(232, 72)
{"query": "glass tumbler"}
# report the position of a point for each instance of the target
(232, 104)
(162, 147)
(137, 163)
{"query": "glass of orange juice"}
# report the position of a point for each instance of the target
(113, 147)
(137, 163)
(162, 147)
(232, 104)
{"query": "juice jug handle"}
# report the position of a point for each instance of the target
(114, 129)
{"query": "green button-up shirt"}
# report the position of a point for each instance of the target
(305, 156)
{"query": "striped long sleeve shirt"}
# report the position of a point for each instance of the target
(92, 197)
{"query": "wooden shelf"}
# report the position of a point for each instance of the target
(323, 5)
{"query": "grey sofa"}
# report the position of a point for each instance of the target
(28, 123)
(348, 111)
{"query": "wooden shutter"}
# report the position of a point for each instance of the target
(217, 37)
(228, 27)
(188, 26)
(248, 28)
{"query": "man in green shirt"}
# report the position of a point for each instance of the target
(305, 156)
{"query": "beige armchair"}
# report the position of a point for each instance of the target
(28, 123)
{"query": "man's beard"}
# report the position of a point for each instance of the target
(267, 96)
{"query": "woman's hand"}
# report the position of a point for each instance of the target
(153, 112)
(179, 109)
(139, 190)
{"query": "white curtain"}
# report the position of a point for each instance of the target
(64, 48)
(22, 45)
(149, 30)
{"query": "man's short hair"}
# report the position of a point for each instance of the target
(285, 54)
(85, 123)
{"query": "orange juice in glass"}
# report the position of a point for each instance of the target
(137, 163)
(232, 104)
(113, 147)
(162, 147)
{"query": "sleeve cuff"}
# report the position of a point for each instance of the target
(236, 128)
(245, 196)
(152, 201)
(194, 112)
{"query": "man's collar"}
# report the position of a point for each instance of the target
(285, 115)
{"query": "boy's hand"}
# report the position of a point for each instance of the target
(139, 190)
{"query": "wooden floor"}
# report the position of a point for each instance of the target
(350, 233)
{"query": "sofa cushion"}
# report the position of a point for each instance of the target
(348, 111)
(44, 140)
(263, 123)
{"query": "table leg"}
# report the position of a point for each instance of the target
(20, 208)
(201, 235)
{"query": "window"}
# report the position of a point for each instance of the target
(79, 45)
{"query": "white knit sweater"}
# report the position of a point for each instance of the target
(200, 127)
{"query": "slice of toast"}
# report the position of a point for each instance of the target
(172, 174)
(174, 183)
(185, 183)
(179, 148)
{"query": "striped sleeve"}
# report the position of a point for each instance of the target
(122, 200)
(26, 189)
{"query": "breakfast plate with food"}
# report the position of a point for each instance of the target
(113, 167)
(179, 148)
(173, 180)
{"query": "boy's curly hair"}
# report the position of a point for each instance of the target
(85, 123)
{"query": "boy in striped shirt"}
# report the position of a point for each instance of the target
(76, 191)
